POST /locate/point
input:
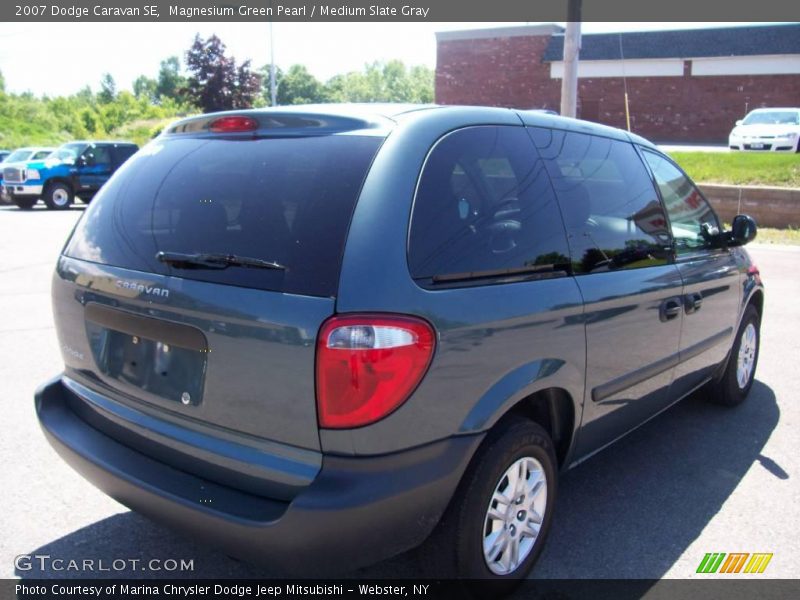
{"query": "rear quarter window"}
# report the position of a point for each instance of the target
(287, 200)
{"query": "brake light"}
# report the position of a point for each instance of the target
(233, 124)
(368, 365)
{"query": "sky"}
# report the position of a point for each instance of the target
(61, 58)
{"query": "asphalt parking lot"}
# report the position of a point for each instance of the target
(696, 479)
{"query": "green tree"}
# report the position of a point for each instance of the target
(2, 83)
(349, 87)
(145, 87)
(216, 82)
(170, 81)
(85, 95)
(108, 89)
(298, 86)
(383, 82)
(422, 80)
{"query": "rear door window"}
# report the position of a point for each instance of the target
(285, 200)
(122, 153)
(612, 212)
(484, 209)
(97, 155)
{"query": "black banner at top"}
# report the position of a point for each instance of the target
(393, 10)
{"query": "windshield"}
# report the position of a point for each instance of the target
(286, 201)
(68, 151)
(773, 117)
(19, 156)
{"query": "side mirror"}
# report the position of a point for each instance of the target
(739, 122)
(743, 230)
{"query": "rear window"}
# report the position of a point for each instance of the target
(285, 200)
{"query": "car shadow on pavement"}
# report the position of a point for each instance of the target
(628, 512)
(632, 510)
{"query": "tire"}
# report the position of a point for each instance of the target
(467, 533)
(58, 196)
(24, 203)
(737, 379)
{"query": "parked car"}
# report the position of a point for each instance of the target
(20, 156)
(767, 129)
(322, 336)
(76, 169)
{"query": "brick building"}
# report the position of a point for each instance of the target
(683, 85)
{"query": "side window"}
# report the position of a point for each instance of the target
(97, 155)
(485, 208)
(692, 219)
(122, 153)
(40, 155)
(613, 215)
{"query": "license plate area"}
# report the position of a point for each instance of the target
(757, 145)
(141, 353)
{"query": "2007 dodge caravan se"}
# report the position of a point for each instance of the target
(325, 335)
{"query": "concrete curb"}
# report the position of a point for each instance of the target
(769, 206)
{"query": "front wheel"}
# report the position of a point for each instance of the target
(58, 196)
(498, 519)
(740, 372)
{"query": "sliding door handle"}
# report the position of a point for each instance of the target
(692, 302)
(670, 308)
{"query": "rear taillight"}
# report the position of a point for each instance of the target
(368, 365)
(233, 124)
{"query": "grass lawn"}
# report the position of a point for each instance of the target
(741, 168)
(778, 236)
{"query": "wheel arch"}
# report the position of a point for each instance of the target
(543, 391)
(58, 179)
(554, 410)
(756, 300)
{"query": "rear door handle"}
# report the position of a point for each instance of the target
(693, 302)
(670, 308)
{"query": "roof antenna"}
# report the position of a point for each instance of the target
(625, 84)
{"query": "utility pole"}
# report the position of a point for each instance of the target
(273, 88)
(572, 46)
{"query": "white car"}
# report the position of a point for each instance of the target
(767, 129)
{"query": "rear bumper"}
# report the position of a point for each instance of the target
(357, 511)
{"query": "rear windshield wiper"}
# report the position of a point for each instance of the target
(208, 260)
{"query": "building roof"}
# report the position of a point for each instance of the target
(684, 43)
(499, 32)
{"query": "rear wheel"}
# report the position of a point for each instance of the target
(24, 203)
(58, 196)
(736, 381)
(498, 519)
